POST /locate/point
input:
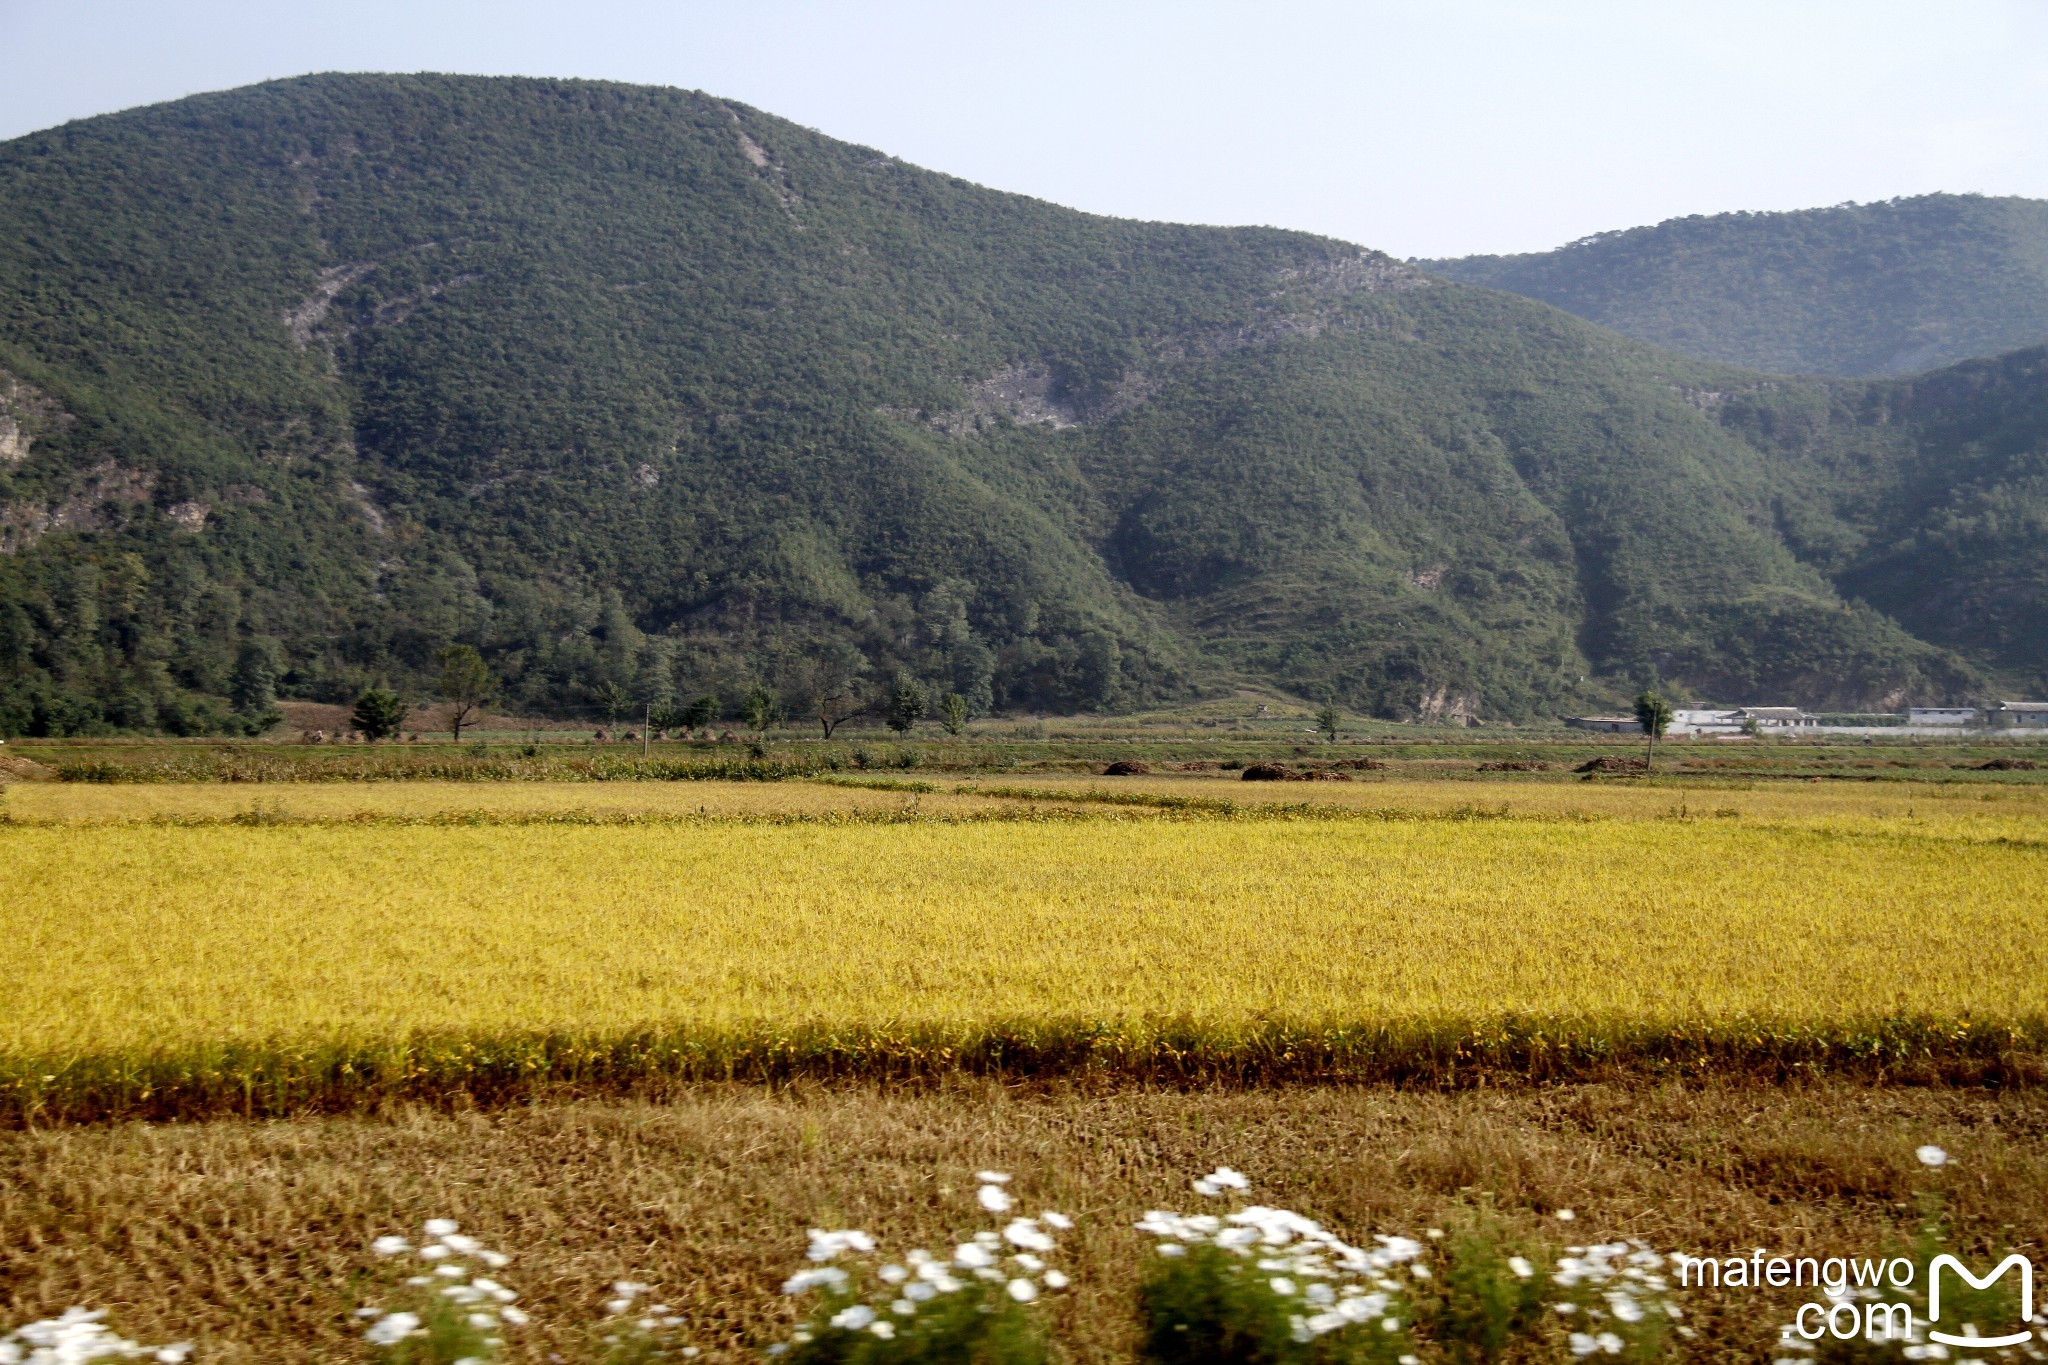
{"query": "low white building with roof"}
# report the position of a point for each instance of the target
(1622, 725)
(2010, 715)
(1775, 717)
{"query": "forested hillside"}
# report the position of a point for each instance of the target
(1859, 289)
(648, 394)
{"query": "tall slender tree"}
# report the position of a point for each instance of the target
(465, 684)
(1653, 713)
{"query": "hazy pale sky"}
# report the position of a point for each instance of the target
(1437, 127)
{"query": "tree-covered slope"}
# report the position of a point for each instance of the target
(645, 393)
(1859, 289)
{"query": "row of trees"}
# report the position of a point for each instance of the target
(900, 705)
(827, 696)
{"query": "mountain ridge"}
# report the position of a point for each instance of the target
(1856, 290)
(646, 394)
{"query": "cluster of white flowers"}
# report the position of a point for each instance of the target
(77, 1337)
(486, 1306)
(1329, 1283)
(652, 1322)
(1611, 1292)
(1013, 1258)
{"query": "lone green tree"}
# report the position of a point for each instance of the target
(1328, 721)
(760, 708)
(953, 714)
(831, 686)
(613, 700)
(905, 704)
(1653, 713)
(465, 684)
(253, 688)
(379, 713)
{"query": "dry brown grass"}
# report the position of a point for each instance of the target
(247, 1235)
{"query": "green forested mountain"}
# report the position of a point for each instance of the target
(1859, 289)
(646, 393)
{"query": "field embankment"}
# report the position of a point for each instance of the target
(317, 952)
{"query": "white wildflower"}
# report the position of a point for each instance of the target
(442, 1227)
(805, 1280)
(992, 1177)
(826, 1246)
(993, 1199)
(1055, 1280)
(390, 1246)
(1022, 1290)
(853, 1318)
(884, 1330)
(1024, 1232)
(1055, 1220)
(392, 1328)
(1931, 1155)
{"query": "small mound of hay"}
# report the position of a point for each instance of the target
(1613, 765)
(23, 770)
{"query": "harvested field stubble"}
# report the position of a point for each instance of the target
(273, 966)
(247, 1236)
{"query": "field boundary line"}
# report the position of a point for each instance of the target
(483, 1070)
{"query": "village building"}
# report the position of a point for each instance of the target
(1694, 721)
(2020, 714)
(1621, 725)
(1940, 715)
(1775, 718)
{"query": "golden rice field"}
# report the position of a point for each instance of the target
(215, 946)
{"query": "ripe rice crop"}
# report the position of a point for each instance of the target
(273, 965)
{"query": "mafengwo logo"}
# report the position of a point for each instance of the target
(1876, 1300)
(2012, 1262)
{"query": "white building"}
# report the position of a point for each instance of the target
(2020, 714)
(1775, 718)
(1692, 721)
(1624, 725)
(1940, 715)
